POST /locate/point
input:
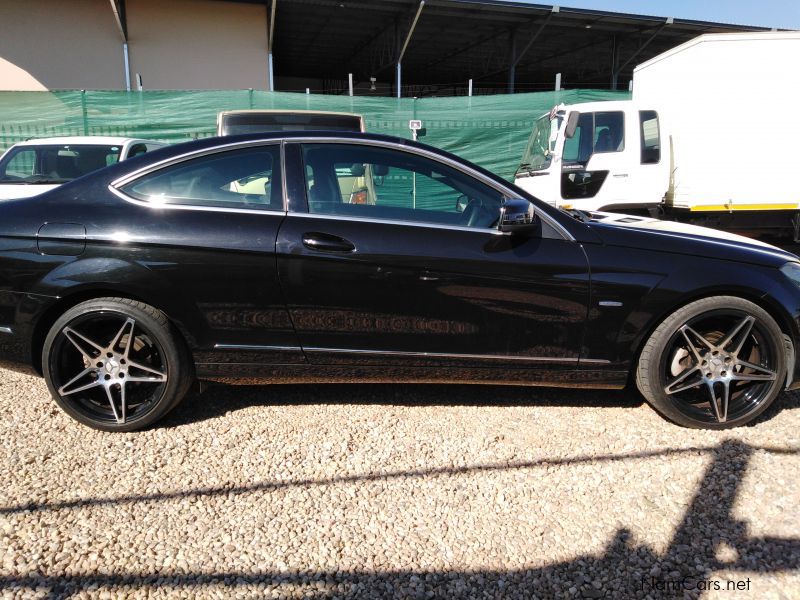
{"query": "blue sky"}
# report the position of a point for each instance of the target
(784, 14)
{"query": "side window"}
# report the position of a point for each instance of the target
(578, 148)
(137, 149)
(112, 155)
(362, 181)
(248, 178)
(609, 131)
(651, 137)
(21, 165)
(596, 132)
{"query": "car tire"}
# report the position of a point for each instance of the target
(716, 363)
(116, 364)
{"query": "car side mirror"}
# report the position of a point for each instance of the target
(572, 124)
(461, 203)
(517, 216)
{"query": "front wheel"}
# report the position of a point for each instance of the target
(716, 363)
(114, 364)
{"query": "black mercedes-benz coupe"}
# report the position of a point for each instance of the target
(335, 257)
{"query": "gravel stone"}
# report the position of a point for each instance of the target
(395, 491)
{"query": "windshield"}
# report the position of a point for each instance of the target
(541, 144)
(55, 163)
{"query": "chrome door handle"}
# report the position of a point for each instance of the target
(429, 276)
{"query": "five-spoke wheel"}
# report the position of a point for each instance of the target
(715, 363)
(113, 364)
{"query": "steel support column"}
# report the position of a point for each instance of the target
(399, 68)
(512, 60)
(614, 61)
(515, 57)
(118, 8)
(270, 35)
(615, 75)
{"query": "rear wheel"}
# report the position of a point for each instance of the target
(114, 364)
(716, 363)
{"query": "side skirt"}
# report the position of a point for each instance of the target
(252, 374)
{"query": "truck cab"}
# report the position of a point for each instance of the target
(597, 156)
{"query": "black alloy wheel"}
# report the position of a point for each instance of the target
(114, 364)
(716, 363)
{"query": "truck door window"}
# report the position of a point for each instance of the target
(651, 137)
(609, 131)
(596, 132)
(578, 148)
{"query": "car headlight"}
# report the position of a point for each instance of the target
(792, 271)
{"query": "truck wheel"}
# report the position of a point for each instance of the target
(114, 364)
(716, 363)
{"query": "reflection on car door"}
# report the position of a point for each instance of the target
(384, 283)
(219, 250)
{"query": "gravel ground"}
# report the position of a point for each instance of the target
(397, 491)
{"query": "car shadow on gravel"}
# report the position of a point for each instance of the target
(218, 399)
(708, 540)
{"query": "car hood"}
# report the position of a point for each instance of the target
(9, 191)
(681, 238)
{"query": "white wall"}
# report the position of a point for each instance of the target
(174, 44)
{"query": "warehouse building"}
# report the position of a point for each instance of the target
(416, 47)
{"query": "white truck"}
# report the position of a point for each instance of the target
(37, 165)
(710, 137)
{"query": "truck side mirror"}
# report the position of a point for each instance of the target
(572, 124)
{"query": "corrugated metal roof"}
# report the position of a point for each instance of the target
(456, 40)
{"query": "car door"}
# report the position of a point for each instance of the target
(212, 221)
(421, 268)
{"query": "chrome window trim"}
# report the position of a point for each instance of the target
(425, 224)
(284, 188)
(125, 179)
(154, 206)
(188, 155)
(438, 158)
(131, 177)
(319, 350)
(448, 355)
(256, 348)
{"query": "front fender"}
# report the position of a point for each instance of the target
(764, 286)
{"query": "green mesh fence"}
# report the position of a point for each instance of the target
(488, 130)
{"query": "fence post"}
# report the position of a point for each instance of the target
(85, 113)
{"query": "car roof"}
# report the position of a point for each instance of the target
(84, 139)
(276, 111)
(289, 135)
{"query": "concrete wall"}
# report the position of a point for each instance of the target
(174, 44)
(47, 44)
(198, 45)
